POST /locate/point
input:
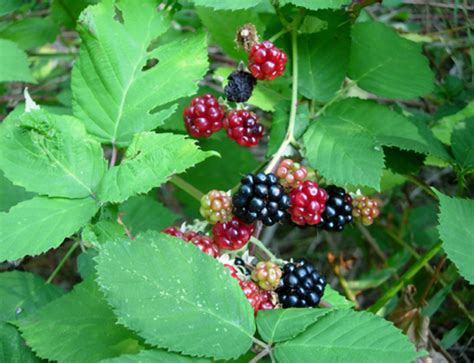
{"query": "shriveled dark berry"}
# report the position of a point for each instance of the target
(260, 197)
(301, 285)
(240, 86)
(338, 211)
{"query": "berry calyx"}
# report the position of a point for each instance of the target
(261, 197)
(232, 235)
(365, 209)
(204, 116)
(243, 127)
(301, 286)
(206, 245)
(216, 206)
(240, 86)
(290, 174)
(266, 62)
(267, 275)
(307, 203)
(338, 211)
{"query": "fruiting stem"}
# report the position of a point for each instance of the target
(405, 278)
(278, 35)
(260, 355)
(62, 262)
(188, 188)
(263, 248)
(289, 138)
(113, 158)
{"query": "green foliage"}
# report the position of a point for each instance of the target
(323, 58)
(144, 212)
(462, 140)
(383, 63)
(51, 155)
(78, 327)
(444, 127)
(39, 224)
(344, 152)
(12, 347)
(13, 63)
(151, 356)
(30, 32)
(66, 12)
(457, 232)
(150, 160)
(113, 94)
(228, 5)
(167, 290)
(10, 194)
(317, 4)
(283, 324)
(7, 6)
(348, 336)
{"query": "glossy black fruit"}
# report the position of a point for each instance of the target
(338, 210)
(261, 197)
(301, 286)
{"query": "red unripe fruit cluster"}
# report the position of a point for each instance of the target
(307, 203)
(266, 62)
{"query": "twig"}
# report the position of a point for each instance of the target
(260, 355)
(127, 231)
(372, 242)
(188, 188)
(62, 262)
(113, 158)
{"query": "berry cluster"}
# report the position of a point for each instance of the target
(232, 235)
(301, 286)
(243, 127)
(291, 174)
(203, 242)
(261, 197)
(266, 62)
(204, 116)
(365, 209)
(308, 202)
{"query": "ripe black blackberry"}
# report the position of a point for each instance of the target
(301, 285)
(240, 86)
(338, 211)
(261, 197)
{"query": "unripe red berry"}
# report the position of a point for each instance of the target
(307, 203)
(291, 174)
(266, 62)
(232, 235)
(365, 209)
(204, 116)
(206, 245)
(267, 275)
(243, 127)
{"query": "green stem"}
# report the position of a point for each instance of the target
(405, 278)
(340, 94)
(263, 248)
(62, 262)
(188, 188)
(278, 35)
(289, 138)
(425, 187)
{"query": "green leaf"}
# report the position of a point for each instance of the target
(23, 293)
(316, 4)
(51, 154)
(144, 212)
(228, 5)
(387, 65)
(456, 230)
(39, 224)
(152, 356)
(444, 127)
(86, 264)
(10, 194)
(66, 12)
(13, 63)
(7, 6)
(223, 25)
(344, 152)
(78, 327)
(102, 232)
(150, 160)
(348, 336)
(282, 324)
(30, 32)
(336, 300)
(371, 279)
(195, 309)
(462, 141)
(388, 127)
(452, 336)
(112, 92)
(323, 57)
(13, 348)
